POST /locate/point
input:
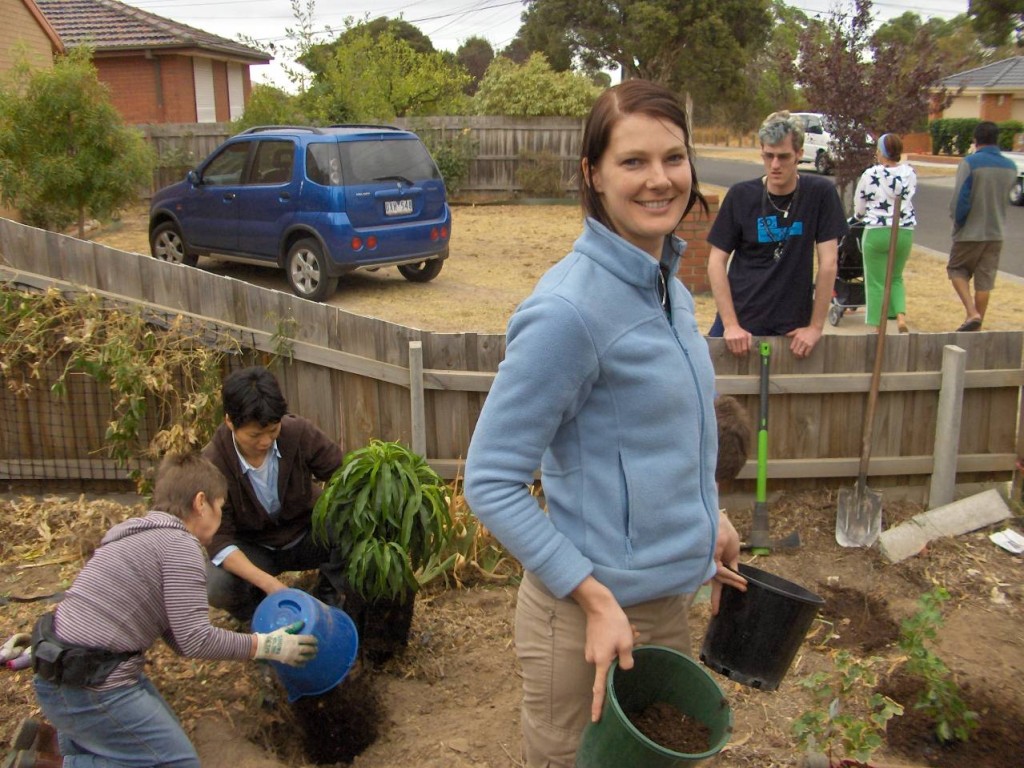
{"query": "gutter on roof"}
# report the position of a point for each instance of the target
(47, 27)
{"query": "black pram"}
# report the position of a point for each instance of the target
(848, 292)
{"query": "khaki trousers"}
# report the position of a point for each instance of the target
(557, 680)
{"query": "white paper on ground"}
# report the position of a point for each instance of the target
(1009, 540)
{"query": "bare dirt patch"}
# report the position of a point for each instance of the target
(452, 698)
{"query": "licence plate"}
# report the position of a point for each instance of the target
(397, 207)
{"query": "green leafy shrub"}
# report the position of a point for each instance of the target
(1008, 130)
(390, 512)
(453, 151)
(940, 699)
(952, 135)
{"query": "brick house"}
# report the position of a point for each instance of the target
(157, 70)
(994, 92)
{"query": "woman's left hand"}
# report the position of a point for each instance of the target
(727, 560)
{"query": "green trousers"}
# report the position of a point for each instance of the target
(875, 247)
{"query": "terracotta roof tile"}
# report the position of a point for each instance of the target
(109, 25)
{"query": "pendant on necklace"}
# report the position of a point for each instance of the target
(778, 251)
(785, 214)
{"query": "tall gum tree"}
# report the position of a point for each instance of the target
(699, 46)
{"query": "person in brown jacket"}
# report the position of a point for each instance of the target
(270, 459)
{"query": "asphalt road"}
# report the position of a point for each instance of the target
(931, 202)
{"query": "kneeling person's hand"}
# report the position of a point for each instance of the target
(286, 646)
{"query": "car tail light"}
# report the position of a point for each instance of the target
(357, 243)
(444, 233)
(371, 242)
(434, 234)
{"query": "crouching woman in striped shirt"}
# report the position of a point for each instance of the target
(146, 580)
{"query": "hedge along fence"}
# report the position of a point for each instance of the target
(954, 135)
(360, 378)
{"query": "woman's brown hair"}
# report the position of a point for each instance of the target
(633, 97)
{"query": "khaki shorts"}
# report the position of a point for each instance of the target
(978, 259)
(558, 680)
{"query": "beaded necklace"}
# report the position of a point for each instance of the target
(780, 244)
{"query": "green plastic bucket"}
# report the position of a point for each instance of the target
(659, 674)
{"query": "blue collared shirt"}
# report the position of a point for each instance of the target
(264, 483)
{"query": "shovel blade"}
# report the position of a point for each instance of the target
(859, 519)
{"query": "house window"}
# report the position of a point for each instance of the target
(206, 107)
(236, 99)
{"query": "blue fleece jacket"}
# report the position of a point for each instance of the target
(614, 402)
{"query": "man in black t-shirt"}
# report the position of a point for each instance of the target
(772, 226)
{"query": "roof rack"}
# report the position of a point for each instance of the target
(366, 125)
(257, 128)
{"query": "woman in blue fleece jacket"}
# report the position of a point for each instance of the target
(608, 387)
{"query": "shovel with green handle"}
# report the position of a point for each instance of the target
(760, 543)
(859, 517)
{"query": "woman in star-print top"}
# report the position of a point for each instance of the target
(874, 202)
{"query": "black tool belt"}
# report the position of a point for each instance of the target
(66, 664)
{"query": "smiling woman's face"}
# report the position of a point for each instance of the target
(644, 180)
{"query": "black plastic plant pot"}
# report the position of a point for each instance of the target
(659, 674)
(757, 633)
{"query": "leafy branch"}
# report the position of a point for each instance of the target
(164, 374)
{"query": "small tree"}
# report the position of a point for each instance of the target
(64, 149)
(863, 87)
(269, 105)
(382, 77)
(533, 89)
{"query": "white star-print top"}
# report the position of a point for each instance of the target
(876, 194)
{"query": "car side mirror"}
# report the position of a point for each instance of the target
(194, 177)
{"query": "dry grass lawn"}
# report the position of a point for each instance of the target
(499, 252)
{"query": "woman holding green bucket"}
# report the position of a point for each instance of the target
(607, 386)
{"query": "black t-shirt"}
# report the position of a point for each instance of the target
(772, 296)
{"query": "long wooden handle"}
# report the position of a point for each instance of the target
(876, 374)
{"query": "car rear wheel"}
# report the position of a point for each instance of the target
(821, 163)
(421, 272)
(307, 271)
(1017, 192)
(167, 244)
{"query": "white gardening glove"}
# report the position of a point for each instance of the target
(286, 646)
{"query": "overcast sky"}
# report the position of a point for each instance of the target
(448, 23)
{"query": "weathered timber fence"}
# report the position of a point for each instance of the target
(360, 378)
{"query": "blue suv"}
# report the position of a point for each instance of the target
(317, 202)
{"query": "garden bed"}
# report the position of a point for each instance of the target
(452, 698)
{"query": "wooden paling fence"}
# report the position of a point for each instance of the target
(361, 378)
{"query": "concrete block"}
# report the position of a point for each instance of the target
(953, 519)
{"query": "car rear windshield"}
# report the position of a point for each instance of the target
(366, 162)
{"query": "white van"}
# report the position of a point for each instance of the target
(816, 141)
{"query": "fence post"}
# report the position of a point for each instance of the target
(947, 427)
(419, 422)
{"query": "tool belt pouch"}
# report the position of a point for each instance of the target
(66, 664)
